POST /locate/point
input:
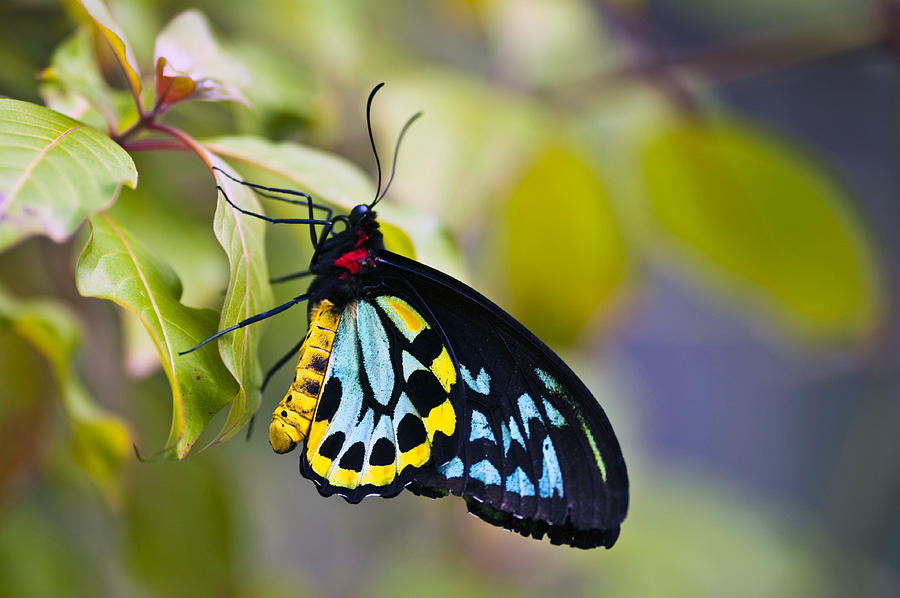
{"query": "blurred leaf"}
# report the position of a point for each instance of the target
(171, 212)
(462, 153)
(54, 172)
(141, 358)
(74, 75)
(326, 176)
(180, 529)
(113, 266)
(745, 204)
(248, 294)
(108, 27)
(564, 252)
(25, 413)
(101, 441)
(38, 557)
(547, 43)
(191, 66)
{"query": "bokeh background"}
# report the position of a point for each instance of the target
(695, 202)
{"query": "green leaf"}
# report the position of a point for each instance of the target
(560, 201)
(115, 267)
(101, 441)
(326, 176)
(248, 294)
(74, 85)
(110, 29)
(54, 171)
(748, 208)
(191, 66)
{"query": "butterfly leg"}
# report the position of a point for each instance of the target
(251, 320)
(288, 277)
(260, 190)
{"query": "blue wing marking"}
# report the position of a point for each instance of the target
(551, 481)
(485, 472)
(375, 352)
(555, 416)
(528, 411)
(519, 483)
(481, 384)
(481, 428)
(452, 469)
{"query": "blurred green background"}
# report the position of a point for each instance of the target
(694, 202)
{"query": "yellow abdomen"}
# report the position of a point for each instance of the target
(292, 418)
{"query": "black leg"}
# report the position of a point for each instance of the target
(288, 277)
(260, 188)
(307, 196)
(251, 320)
(272, 220)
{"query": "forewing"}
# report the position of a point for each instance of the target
(539, 455)
(389, 402)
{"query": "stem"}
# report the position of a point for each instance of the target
(151, 144)
(184, 138)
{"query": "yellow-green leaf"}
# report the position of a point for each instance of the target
(110, 29)
(101, 441)
(564, 252)
(116, 267)
(750, 208)
(54, 171)
(249, 293)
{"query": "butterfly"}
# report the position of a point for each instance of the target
(409, 379)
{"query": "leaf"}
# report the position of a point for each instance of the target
(326, 176)
(564, 252)
(74, 75)
(114, 266)
(751, 209)
(108, 27)
(54, 172)
(101, 441)
(248, 294)
(191, 66)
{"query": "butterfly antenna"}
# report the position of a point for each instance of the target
(372, 137)
(409, 122)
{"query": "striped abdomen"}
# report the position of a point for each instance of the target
(292, 418)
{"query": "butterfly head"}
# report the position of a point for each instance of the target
(358, 213)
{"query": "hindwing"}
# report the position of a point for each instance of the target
(538, 454)
(390, 404)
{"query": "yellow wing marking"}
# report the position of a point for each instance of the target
(411, 318)
(291, 419)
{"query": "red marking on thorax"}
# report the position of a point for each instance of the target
(353, 259)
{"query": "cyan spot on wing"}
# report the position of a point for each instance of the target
(528, 411)
(452, 469)
(410, 364)
(514, 434)
(480, 427)
(485, 472)
(549, 381)
(555, 416)
(362, 432)
(481, 384)
(551, 481)
(375, 352)
(504, 431)
(345, 367)
(519, 483)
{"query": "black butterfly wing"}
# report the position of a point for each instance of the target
(539, 455)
